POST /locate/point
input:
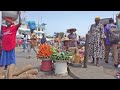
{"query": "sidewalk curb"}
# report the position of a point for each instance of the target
(72, 74)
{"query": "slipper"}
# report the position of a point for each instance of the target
(106, 61)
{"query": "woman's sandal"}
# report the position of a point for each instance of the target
(106, 61)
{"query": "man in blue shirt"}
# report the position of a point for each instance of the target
(108, 43)
(43, 39)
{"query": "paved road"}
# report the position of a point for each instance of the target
(106, 71)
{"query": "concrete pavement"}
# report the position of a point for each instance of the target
(106, 71)
(22, 61)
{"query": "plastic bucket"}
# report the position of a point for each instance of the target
(61, 68)
(46, 65)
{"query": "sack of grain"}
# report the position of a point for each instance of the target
(25, 76)
(24, 69)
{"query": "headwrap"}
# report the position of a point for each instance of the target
(9, 19)
(98, 18)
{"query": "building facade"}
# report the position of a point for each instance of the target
(24, 29)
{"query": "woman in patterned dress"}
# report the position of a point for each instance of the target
(96, 42)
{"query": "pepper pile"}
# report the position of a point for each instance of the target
(44, 51)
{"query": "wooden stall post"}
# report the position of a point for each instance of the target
(86, 50)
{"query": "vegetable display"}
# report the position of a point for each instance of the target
(44, 51)
(61, 56)
(54, 50)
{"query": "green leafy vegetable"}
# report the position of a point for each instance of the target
(61, 56)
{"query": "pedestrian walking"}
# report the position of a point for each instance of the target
(96, 41)
(108, 43)
(24, 43)
(32, 43)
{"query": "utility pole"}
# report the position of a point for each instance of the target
(113, 15)
(41, 19)
(86, 48)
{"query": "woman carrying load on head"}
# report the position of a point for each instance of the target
(9, 42)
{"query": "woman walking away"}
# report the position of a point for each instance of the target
(9, 42)
(96, 44)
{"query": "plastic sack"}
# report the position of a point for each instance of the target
(32, 25)
(11, 14)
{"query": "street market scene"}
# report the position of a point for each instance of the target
(60, 45)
